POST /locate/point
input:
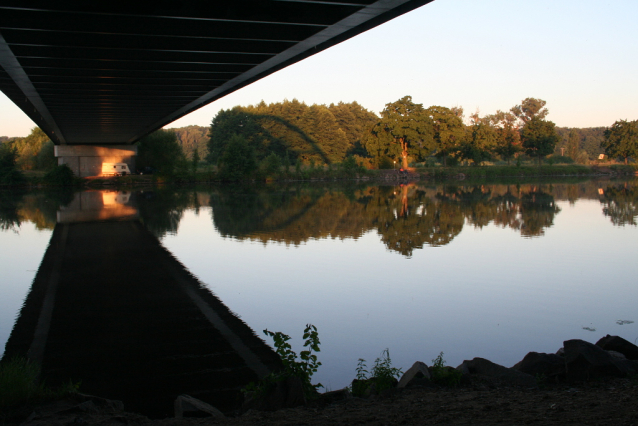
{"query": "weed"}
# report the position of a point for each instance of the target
(383, 375)
(442, 375)
(19, 384)
(292, 367)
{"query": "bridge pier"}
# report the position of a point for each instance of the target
(86, 160)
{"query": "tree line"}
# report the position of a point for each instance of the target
(406, 133)
(291, 132)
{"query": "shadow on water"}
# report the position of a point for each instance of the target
(112, 308)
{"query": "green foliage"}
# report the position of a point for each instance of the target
(29, 150)
(316, 132)
(529, 109)
(161, 151)
(61, 175)
(621, 140)
(238, 160)
(19, 384)
(192, 138)
(195, 160)
(539, 138)
(302, 368)
(449, 131)
(442, 375)
(9, 173)
(271, 165)
(405, 130)
(383, 375)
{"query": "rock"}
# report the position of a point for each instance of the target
(484, 367)
(187, 406)
(616, 355)
(618, 344)
(287, 393)
(552, 366)
(561, 352)
(337, 395)
(585, 361)
(417, 375)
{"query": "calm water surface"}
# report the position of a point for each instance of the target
(493, 271)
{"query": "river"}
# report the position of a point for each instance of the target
(472, 270)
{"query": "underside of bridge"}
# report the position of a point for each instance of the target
(107, 73)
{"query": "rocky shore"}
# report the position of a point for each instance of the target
(582, 383)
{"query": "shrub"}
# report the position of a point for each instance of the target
(60, 175)
(442, 375)
(9, 173)
(302, 368)
(383, 375)
(19, 384)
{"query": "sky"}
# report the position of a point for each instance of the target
(577, 55)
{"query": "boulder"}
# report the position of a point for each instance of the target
(618, 344)
(552, 366)
(417, 375)
(287, 393)
(487, 368)
(187, 406)
(585, 361)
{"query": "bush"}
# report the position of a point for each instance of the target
(383, 375)
(60, 175)
(19, 384)
(9, 173)
(442, 375)
(292, 367)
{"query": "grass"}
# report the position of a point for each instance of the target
(20, 385)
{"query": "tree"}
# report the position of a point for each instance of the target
(404, 130)
(539, 138)
(530, 108)
(448, 130)
(573, 142)
(161, 151)
(621, 139)
(508, 137)
(238, 160)
(479, 141)
(9, 173)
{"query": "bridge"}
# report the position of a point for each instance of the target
(98, 76)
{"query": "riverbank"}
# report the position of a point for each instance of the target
(582, 383)
(39, 180)
(605, 402)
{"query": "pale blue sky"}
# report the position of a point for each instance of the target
(578, 55)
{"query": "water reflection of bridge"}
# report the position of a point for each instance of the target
(111, 307)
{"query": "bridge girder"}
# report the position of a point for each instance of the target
(102, 73)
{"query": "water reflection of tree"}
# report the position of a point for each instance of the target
(620, 204)
(408, 219)
(39, 208)
(162, 209)
(538, 209)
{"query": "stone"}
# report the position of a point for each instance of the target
(487, 368)
(585, 361)
(287, 393)
(336, 396)
(618, 344)
(187, 406)
(552, 366)
(417, 375)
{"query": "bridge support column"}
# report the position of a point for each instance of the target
(86, 160)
